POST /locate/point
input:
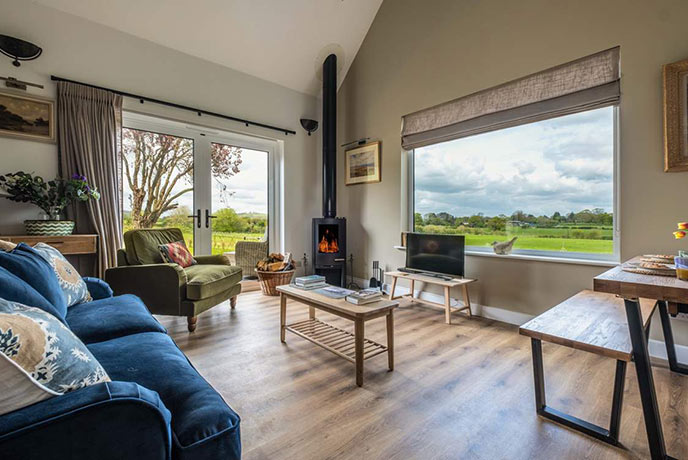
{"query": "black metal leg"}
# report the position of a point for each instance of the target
(674, 365)
(648, 327)
(617, 401)
(611, 435)
(646, 385)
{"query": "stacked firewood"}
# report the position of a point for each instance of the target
(276, 262)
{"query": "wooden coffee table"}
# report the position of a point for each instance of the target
(354, 347)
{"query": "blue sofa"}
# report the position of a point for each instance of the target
(157, 406)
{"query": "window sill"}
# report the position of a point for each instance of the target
(558, 260)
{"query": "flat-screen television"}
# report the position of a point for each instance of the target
(435, 253)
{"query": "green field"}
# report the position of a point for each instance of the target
(223, 241)
(590, 239)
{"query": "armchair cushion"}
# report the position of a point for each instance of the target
(204, 281)
(110, 318)
(98, 288)
(177, 253)
(142, 245)
(24, 262)
(203, 425)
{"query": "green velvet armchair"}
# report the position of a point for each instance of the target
(168, 289)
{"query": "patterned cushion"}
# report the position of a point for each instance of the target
(177, 253)
(73, 286)
(7, 245)
(40, 357)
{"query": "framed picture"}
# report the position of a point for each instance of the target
(363, 164)
(676, 116)
(27, 117)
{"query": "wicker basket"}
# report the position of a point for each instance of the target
(270, 280)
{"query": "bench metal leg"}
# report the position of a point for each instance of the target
(674, 365)
(611, 435)
(646, 385)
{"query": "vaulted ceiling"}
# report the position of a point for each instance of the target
(277, 40)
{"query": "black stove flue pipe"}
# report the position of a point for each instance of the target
(329, 135)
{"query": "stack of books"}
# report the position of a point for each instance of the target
(365, 296)
(310, 282)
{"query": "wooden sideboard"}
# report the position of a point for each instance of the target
(69, 245)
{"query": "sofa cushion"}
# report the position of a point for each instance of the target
(203, 425)
(73, 286)
(204, 281)
(15, 289)
(111, 317)
(24, 262)
(41, 357)
(142, 245)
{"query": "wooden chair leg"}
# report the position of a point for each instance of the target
(191, 322)
(232, 302)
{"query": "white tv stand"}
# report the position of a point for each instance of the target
(446, 284)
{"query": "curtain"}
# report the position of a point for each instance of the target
(586, 83)
(89, 137)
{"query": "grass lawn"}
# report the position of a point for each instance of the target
(546, 244)
(223, 241)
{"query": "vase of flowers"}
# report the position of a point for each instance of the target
(52, 197)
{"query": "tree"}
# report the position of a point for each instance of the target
(229, 221)
(154, 164)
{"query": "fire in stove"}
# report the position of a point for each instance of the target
(328, 243)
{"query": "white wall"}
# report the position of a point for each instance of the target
(418, 54)
(84, 51)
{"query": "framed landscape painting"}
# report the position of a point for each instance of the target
(27, 117)
(676, 116)
(363, 164)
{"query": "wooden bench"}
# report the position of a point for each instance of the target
(594, 322)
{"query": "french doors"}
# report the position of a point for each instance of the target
(218, 187)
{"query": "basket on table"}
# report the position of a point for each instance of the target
(270, 280)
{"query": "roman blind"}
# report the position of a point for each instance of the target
(584, 84)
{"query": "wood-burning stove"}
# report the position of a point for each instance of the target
(329, 231)
(329, 249)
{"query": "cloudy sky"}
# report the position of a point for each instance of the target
(564, 164)
(248, 190)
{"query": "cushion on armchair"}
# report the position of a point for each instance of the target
(205, 281)
(40, 357)
(177, 253)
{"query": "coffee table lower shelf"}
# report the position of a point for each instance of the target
(338, 341)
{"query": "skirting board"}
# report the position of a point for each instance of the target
(656, 347)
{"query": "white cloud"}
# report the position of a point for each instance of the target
(563, 164)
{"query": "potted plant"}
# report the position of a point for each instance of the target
(51, 196)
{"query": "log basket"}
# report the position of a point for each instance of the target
(270, 280)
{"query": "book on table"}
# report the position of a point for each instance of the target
(364, 296)
(309, 280)
(311, 287)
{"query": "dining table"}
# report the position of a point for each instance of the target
(671, 296)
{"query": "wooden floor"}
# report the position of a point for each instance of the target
(459, 391)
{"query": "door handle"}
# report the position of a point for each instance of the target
(207, 218)
(197, 216)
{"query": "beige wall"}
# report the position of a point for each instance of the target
(418, 54)
(81, 50)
